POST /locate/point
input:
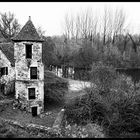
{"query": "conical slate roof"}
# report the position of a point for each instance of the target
(28, 33)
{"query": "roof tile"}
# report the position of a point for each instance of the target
(8, 50)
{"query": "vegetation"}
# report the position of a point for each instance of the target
(113, 103)
(9, 86)
(6, 132)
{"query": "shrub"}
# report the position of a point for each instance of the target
(10, 134)
(77, 131)
(6, 131)
(103, 76)
(9, 86)
(113, 103)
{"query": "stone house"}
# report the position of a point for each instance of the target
(25, 62)
(7, 72)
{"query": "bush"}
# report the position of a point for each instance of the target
(103, 76)
(113, 103)
(6, 131)
(77, 131)
(9, 87)
(55, 87)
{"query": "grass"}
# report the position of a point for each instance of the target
(8, 131)
(25, 117)
(12, 131)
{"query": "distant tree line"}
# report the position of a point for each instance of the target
(87, 39)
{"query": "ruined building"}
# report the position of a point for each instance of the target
(29, 69)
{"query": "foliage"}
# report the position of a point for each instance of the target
(9, 83)
(10, 88)
(103, 76)
(6, 131)
(113, 103)
(48, 49)
(55, 87)
(78, 131)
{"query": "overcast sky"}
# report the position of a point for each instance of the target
(50, 15)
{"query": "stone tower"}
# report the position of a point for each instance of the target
(29, 69)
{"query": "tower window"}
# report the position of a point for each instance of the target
(28, 51)
(33, 72)
(31, 92)
(3, 71)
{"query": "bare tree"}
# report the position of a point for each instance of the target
(113, 24)
(67, 26)
(107, 25)
(79, 26)
(118, 23)
(9, 25)
(86, 23)
(105, 22)
(133, 42)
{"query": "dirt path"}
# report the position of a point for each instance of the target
(76, 88)
(76, 85)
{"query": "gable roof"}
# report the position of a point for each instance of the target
(28, 33)
(8, 50)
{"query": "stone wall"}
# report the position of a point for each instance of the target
(23, 81)
(23, 65)
(22, 94)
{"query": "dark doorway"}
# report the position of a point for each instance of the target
(34, 111)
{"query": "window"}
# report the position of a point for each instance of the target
(28, 51)
(3, 71)
(31, 92)
(33, 72)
